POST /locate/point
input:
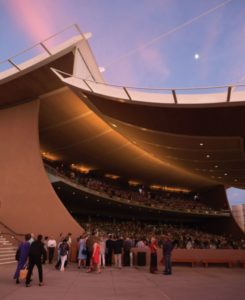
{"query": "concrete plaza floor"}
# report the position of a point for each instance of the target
(128, 283)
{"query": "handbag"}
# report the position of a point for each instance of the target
(84, 251)
(23, 274)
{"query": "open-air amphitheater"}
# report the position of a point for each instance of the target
(57, 110)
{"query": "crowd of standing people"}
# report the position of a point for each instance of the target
(94, 251)
(34, 251)
(107, 244)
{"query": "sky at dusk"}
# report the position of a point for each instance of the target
(235, 196)
(142, 43)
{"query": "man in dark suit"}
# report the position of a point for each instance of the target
(36, 255)
(167, 252)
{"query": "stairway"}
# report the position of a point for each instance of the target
(7, 250)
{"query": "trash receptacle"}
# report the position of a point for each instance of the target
(141, 259)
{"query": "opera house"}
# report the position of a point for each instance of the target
(58, 112)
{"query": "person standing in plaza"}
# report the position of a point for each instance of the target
(64, 250)
(96, 256)
(23, 252)
(109, 250)
(167, 252)
(153, 251)
(118, 247)
(51, 249)
(36, 255)
(127, 245)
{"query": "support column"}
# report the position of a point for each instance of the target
(28, 201)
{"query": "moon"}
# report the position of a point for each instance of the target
(196, 56)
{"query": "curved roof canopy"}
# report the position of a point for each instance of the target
(157, 137)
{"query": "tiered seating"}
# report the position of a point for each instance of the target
(135, 196)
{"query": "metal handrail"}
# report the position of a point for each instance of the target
(42, 44)
(173, 91)
(12, 236)
(153, 89)
(12, 232)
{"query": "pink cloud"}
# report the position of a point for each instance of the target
(123, 74)
(30, 16)
(238, 45)
(210, 38)
(149, 60)
(153, 60)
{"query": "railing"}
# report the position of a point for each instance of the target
(193, 95)
(11, 233)
(43, 50)
(40, 50)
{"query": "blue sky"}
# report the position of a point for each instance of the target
(143, 43)
(235, 196)
(148, 43)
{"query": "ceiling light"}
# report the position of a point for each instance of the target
(235, 180)
(216, 166)
(80, 168)
(225, 174)
(220, 177)
(114, 125)
(208, 155)
(201, 144)
(133, 182)
(112, 176)
(49, 156)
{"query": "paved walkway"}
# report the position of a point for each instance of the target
(127, 284)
